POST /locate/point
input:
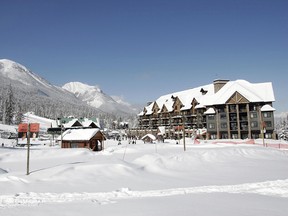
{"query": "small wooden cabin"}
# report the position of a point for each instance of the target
(91, 138)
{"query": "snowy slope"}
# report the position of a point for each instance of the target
(20, 73)
(30, 117)
(29, 83)
(90, 94)
(25, 80)
(31, 87)
(146, 179)
(95, 97)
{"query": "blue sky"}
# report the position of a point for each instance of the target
(141, 50)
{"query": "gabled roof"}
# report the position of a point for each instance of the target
(267, 108)
(259, 92)
(89, 123)
(149, 109)
(205, 95)
(186, 97)
(72, 123)
(210, 111)
(79, 134)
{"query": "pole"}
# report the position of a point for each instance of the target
(263, 131)
(28, 148)
(61, 134)
(183, 123)
(184, 143)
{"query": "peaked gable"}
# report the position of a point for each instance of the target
(155, 108)
(73, 123)
(237, 98)
(164, 109)
(177, 105)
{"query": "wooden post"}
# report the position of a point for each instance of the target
(249, 121)
(28, 149)
(183, 124)
(184, 143)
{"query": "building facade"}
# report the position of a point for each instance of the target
(221, 110)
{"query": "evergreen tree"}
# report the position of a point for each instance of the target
(9, 107)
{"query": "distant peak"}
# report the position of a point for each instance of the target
(80, 87)
(12, 64)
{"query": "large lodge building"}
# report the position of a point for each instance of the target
(221, 110)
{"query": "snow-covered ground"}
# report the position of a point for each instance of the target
(145, 179)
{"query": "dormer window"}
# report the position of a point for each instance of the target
(203, 91)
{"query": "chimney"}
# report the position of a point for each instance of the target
(218, 84)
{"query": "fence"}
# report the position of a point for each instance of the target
(280, 144)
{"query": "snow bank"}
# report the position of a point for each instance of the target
(141, 173)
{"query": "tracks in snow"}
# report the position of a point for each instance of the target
(278, 188)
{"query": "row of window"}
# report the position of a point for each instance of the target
(243, 125)
(233, 116)
(243, 136)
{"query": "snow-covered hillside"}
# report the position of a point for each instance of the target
(95, 97)
(145, 179)
(20, 73)
(32, 90)
(30, 117)
(24, 80)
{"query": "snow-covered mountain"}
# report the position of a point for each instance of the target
(95, 97)
(20, 73)
(32, 90)
(26, 81)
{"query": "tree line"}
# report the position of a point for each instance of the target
(15, 103)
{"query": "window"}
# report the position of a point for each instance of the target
(232, 108)
(253, 115)
(210, 117)
(211, 126)
(233, 126)
(254, 124)
(224, 136)
(224, 125)
(213, 136)
(221, 110)
(267, 114)
(233, 117)
(223, 116)
(244, 126)
(268, 123)
(74, 145)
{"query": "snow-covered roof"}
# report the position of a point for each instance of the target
(71, 123)
(210, 111)
(267, 108)
(87, 123)
(205, 95)
(149, 108)
(151, 136)
(79, 134)
(259, 92)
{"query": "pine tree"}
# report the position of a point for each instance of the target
(9, 107)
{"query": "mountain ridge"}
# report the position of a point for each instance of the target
(28, 83)
(95, 97)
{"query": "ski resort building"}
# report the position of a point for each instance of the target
(221, 110)
(91, 138)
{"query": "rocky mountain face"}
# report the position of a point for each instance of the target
(95, 97)
(33, 93)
